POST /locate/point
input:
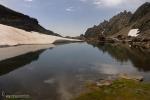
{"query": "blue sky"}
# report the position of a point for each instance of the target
(71, 17)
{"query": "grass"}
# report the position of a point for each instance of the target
(120, 90)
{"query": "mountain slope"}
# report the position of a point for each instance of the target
(18, 20)
(107, 28)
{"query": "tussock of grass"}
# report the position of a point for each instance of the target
(120, 90)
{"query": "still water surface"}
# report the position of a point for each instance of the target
(59, 73)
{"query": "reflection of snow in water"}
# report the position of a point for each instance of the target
(50, 78)
(20, 50)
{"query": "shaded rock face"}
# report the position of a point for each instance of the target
(18, 20)
(118, 22)
(95, 31)
(141, 12)
(122, 23)
(114, 25)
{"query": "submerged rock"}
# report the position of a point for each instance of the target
(104, 83)
(109, 81)
(131, 77)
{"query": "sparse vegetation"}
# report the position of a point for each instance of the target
(121, 89)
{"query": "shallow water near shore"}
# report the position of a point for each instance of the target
(60, 72)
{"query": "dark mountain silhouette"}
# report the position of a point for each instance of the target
(19, 20)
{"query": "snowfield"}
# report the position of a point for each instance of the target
(133, 32)
(10, 36)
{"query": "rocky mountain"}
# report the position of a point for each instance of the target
(18, 20)
(122, 23)
(114, 25)
(141, 19)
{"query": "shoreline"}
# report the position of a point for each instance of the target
(55, 43)
(124, 87)
(134, 42)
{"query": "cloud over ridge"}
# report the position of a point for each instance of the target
(114, 3)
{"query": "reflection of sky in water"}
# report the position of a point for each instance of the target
(59, 73)
(114, 68)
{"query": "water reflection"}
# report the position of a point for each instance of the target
(12, 58)
(61, 73)
(11, 64)
(123, 53)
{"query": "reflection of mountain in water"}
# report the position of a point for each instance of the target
(123, 53)
(12, 58)
(11, 64)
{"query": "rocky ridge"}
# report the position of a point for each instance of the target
(119, 26)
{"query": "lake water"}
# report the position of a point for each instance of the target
(58, 73)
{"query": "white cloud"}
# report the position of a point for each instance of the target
(104, 2)
(108, 2)
(114, 3)
(28, 0)
(70, 9)
(83, 0)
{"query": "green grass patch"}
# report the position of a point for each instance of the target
(120, 90)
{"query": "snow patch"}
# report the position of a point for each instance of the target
(13, 36)
(133, 32)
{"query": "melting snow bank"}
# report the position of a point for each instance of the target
(133, 32)
(11, 36)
